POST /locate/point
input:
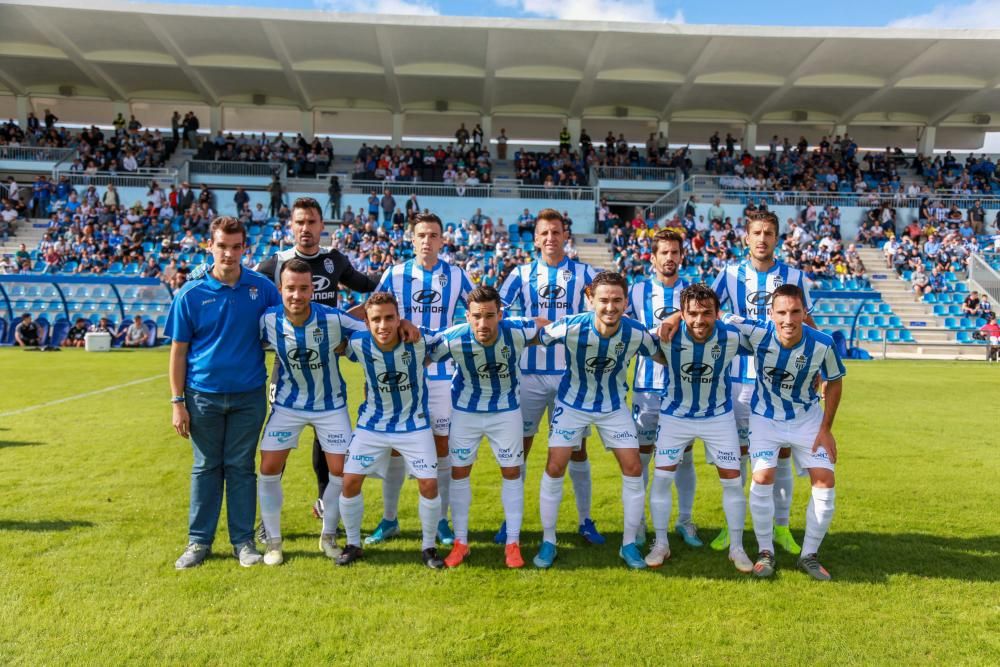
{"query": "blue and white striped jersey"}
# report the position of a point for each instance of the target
(785, 386)
(395, 384)
(552, 292)
(486, 378)
(650, 302)
(428, 299)
(698, 377)
(308, 370)
(596, 367)
(748, 294)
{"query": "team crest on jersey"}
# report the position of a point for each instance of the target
(619, 348)
(505, 352)
(567, 275)
(317, 335)
(406, 358)
(328, 265)
(716, 351)
(253, 293)
(442, 279)
(778, 281)
(800, 362)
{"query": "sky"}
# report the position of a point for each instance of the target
(893, 13)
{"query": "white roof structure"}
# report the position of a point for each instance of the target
(728, 75)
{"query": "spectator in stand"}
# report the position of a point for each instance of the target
(27, 333)
(971, 305)
(502, 145)
(275, 191)
(462, 135)
(136, 334)
(388, 205)
(920, 283)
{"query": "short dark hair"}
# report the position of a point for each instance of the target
(485, 294)
(294, 265)
(428, 219)
(763, 216)
(25, 316)
(668, 236)
(227, 225)
(309, 204)
(607, 278)
(380, 299)
(791, 291)
(699, 293)
(550, 214)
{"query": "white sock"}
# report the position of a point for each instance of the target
(744, 470)
(352, 510)
(819, 514)
(783, 481)
(271, 498)
(444, 484)
(634, 506)
(392, 485)
(461, 501)
(430, 514)
(331, 504)
(734, 506)
(661, 502)
(644, 459)
(512, 497)
(549, 499)
(686, 483)
(579, 474)
(762, 513)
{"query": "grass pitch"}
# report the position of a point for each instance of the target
(93, 512)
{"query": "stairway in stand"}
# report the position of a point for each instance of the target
(593, 249)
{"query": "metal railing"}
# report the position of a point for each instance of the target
(488, 190)
(665, 205)
(984, 275)
(35, 153)
(223, 168)
(127, 179)
(664, 174)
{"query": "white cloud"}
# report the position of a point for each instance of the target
(975, 14)
(401, 7)
(641, 11)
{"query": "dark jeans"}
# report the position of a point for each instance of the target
(224, 433)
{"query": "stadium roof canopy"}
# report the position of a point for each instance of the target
(575, 69)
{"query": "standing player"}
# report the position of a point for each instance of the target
(330, 269)
(309, 392)
(485, 399)
(789, 358)
(696, 404)
(552, 287)
(650, 302)
(394, 416)
(747, 288)
(598, 346)
(428, 290)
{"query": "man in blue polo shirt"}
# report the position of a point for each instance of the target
(217, 379)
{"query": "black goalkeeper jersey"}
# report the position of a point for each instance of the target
(330, 269)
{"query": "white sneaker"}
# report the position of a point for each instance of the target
(658, 554)
(273, 554)
(328, 545)
(741, 560)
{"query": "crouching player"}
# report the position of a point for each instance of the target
(392, 417)
(485, 397)
(785, 412)
(599, 345)
(697, 404)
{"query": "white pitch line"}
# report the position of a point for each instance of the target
(79, 396)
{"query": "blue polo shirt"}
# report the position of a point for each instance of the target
(221, 324)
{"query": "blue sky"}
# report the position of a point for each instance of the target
(912, 13)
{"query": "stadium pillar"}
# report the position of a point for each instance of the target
(574, 126)
(926, 143)
(23, 107)
(749, 142)
(397, 129)
(486, 122)
(309, 124)
(215, 117)
(121, 107)
(839, 130)
(664, 127)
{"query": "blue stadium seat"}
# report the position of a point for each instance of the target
(952, 323)
(895, 321)
(964, 337)
(906, 336)
(881, 321)
(930, 298)
(875, 335)
(865, 321)
(892, 336)
(961, 288)
(941, 310)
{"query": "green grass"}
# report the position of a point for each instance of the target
(93, 512)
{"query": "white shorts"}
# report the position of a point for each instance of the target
(369, 453)
(718, 433)
(646, 413)
(538, 392)
(767, 436)
(439, 405)
(569, 427)
(333, 429)
(501, 429)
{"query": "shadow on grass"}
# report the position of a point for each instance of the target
(4, 444)
(44, 526)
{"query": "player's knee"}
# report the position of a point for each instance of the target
(428, 487)
(352, 485)
(511, 472)
(460, 472)
(726, 473)
(764, 476)
(822, 478)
